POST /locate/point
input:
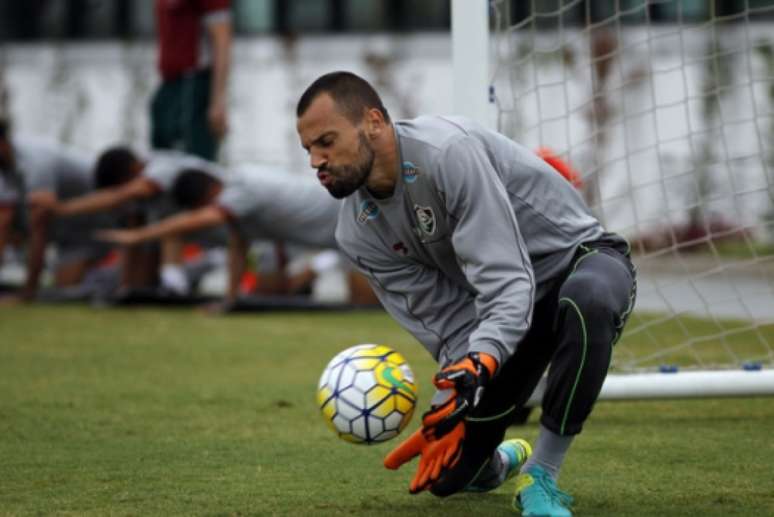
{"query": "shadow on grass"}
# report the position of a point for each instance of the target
(462, 505)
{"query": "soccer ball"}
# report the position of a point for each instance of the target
(367, 394)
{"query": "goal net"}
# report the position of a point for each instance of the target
(667, 110)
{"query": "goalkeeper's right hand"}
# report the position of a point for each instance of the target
(465, 382)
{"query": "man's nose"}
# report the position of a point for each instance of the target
(317, 160)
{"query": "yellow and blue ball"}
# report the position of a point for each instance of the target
(367, 394)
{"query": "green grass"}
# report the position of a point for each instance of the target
(727, 248)
(653, 340)
(739, 249)
(174, 413)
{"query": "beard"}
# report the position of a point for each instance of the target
(346, 179)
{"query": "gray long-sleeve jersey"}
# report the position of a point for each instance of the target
(47, 166)
(478, 228)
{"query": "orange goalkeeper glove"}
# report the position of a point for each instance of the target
(435, 456)
(439, 441)
(466, 379)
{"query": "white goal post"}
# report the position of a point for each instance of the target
(471, 67)
(667, 111)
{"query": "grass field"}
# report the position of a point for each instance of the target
(147, 412)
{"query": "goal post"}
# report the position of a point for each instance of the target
(470, 66)
(679, 385)
(667, 110)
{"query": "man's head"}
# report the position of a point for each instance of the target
(6, 148)
(339, 117)
(116, 166)
(194, 188)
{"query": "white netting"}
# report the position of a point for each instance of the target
(671, 123)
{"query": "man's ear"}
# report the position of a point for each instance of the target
(374, 122)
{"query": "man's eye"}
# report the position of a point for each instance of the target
(327, 142)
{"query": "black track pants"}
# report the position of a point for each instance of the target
(572, 335)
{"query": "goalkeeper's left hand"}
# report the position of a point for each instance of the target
(466, 380)
(435, 456)
(439, 441)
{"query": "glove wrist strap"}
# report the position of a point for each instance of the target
(484, 363)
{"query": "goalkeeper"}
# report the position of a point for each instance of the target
(493, 262)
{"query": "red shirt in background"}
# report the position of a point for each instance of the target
(181, 31)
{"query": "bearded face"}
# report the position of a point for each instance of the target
(339, 146)
(343, 180)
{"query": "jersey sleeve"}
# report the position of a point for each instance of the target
(425, 302)
(236, 201)
(489, 247)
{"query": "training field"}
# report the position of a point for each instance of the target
(148, 412)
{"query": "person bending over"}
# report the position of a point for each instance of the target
(493, 262)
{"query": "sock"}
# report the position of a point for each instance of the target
(549, 452)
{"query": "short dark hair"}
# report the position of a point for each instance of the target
(351, 93)
(114, 167)
(191, 187)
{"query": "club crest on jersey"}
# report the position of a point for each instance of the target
(410, 172)
(426, 218)
(400, 247)
(368, 210)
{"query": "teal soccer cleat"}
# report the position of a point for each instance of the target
(538, 496)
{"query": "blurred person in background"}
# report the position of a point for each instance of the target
(11, 193)
(188, 111)
(37, 175)
(256, 203)
(143, 185)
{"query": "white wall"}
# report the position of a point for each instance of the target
(94, 95)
